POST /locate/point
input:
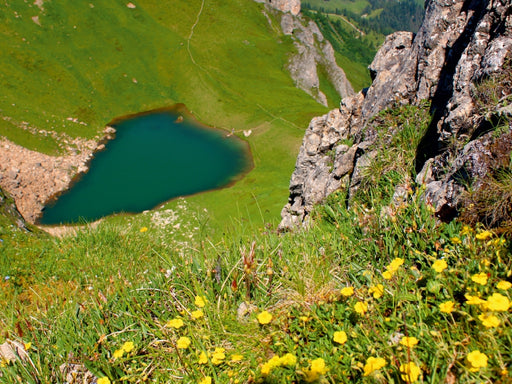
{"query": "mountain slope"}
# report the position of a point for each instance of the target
(69, 68)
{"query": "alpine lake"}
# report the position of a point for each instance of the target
(155, 156)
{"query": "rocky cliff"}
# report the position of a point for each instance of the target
(314, 52)
(459, 45)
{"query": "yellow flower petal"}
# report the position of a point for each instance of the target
(200, 301)
(497, 302)
(175, 323)
(373, 364)
(504, 285)
(264, 317)
(439, 266)
(447, 307)
(361, 307)
(410, 372)
(340, 337)
(347, 291)
(480, 278)
(128, 346)
(197, 314)
(477, 359)
(183, 342)
(489, 321)
(409, 341)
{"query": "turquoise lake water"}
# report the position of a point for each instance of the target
(152, 159)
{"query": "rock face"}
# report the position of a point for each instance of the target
(459, 44)
(292, 6)
(314, 52)
(8, 209)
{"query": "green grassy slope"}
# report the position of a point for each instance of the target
(100, 60)
(375, 293)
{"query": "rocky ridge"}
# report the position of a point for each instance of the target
(314, 52)
(459, 44)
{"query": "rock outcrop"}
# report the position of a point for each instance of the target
(292, 6)
(459, 44)
(314, 53)
(9, 210)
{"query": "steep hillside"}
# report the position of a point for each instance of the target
(376, 289)
(70, 68)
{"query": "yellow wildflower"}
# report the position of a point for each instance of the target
(197, 314)
(361, 307)
(144, 229)
(183, 342)
(373, 364)
(203, 358)
(103, 380)
(128, 346)
(484, 235)
(376, 290)
(466, 229)
(480, 278)
(409, 341)
(288, 359)
(476, 360)
(218, 356)
(439, 266)
(237, 357)
(504, 285)
(395, 264)
(200, 301)
(340, 337)
(410, 372)
(118, 353)
(175, 323)
(347, 291)
(206, 380)
(497, 302)
(264, 317)
(269, 365)
(489, 321)
(316, 370)
(447, 307)
(455, 240)
(27, 346)
(474, 300)
(387, 275)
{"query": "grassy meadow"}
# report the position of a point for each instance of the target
(204, 289)
(96, 61)
(379, 292)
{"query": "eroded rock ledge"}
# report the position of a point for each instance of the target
(459, 43)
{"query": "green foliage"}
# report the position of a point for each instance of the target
(350, 44)
(382, 16)
(274, 305)
(399, 130)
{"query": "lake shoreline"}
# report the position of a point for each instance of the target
(183, 115)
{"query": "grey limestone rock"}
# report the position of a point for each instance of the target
(459, 43)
